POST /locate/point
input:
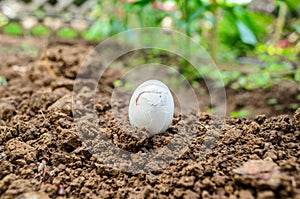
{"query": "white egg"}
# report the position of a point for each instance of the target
(151, 106)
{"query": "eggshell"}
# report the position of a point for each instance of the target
(151, 106)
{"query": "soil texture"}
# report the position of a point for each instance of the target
(44, 155)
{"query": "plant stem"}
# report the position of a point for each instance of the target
(215, 29)
(280, 21)
(140, 17)
(186, 18)
(183, 4)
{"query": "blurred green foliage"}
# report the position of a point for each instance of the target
(216, 24)
(227, 30)
(241, 113)
(13, 29)
(66, 32)
(99, 30)
(272, 101)
(40, 30)
(3, 81)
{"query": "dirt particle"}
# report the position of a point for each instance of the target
(77, 182)
(296, 118)
(259, 173)
(61, 82)
(32, 195)
(7, 111)
(178, 192)
(208, 184)
(6, 168)
(265, 195)
(197, 187)
(253, 167)
(189, 194)
(229, 189)
(41, 101)
(6, 181)
(69, 141)
(186, 181)
(205, 194)
(245, 194)
(64, 105)
(17, 187)
(219, 180)
(19, 150)
(260, 119)
(271, 154)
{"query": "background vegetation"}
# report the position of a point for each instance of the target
(260, 35)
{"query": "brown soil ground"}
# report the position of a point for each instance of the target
(43, 156)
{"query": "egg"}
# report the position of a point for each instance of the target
(151, 106)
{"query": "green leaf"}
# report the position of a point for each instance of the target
(230, 76)
(279, 67)
(297, 75)
(199, 12)
(116, 26)
(142, 3)
(3, 81)
(117, 83)
(241, 113)
(293, 5)
(97, 31)
(262, 80)
(294, 106)
(242, 81)
(258, 22)
(228, 35)
(67, 33)
(13, 29)
(272, 101)
(40, 30)
(195, 84)
(246, 35)
(128, 7)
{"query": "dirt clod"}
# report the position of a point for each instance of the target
(31, 195)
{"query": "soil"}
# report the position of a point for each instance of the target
(43, 154)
